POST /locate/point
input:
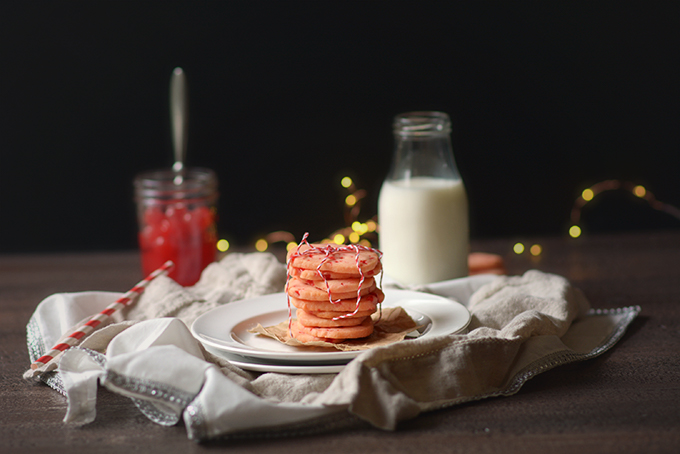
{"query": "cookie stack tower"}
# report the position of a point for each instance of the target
(334, 290)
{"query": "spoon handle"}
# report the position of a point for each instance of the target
(179, 117)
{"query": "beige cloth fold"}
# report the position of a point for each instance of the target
(235, 277)
(521, 326)
(396, 383)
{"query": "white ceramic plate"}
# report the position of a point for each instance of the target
(225, 328)
(288, 369)
(263, 365)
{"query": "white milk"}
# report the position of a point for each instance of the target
(424, 232)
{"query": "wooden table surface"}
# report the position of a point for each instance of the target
(627, 400)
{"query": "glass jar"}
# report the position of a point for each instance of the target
(177, 221)
(423, 206)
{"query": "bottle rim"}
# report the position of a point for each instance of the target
(422, 123)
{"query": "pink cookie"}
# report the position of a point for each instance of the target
(305, 338)
(368, 302)
(298, 288)
(338, 286)
(346, 315)
(345, 332)
(311, 321)
(315, 276)
(344, 259)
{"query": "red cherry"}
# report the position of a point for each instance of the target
(185, 236)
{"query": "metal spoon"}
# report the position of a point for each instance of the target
(179, 121)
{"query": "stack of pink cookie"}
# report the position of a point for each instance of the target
(334, 290)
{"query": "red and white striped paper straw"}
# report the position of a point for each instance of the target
(97, 320)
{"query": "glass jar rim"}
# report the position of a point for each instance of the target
(160, 184)
(422, 123)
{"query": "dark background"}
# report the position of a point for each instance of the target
(286, 97)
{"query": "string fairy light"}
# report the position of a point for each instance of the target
(589, 194)
(366, 232)
(354, 231)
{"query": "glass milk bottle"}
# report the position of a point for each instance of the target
(423, 207)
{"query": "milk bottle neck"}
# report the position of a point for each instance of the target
(423, 147)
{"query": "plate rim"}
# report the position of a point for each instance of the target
(288, 368)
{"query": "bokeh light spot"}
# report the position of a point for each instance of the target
(536, 250)
(339, 239)
(574, 231)
(639, 191)
(222, 245)
(359, 227)
(261, 245)
(588, 194)
(346, 182)
(518, 248)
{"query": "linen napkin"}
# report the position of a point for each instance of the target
(521, 326)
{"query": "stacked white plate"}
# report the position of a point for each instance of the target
(224, 331)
